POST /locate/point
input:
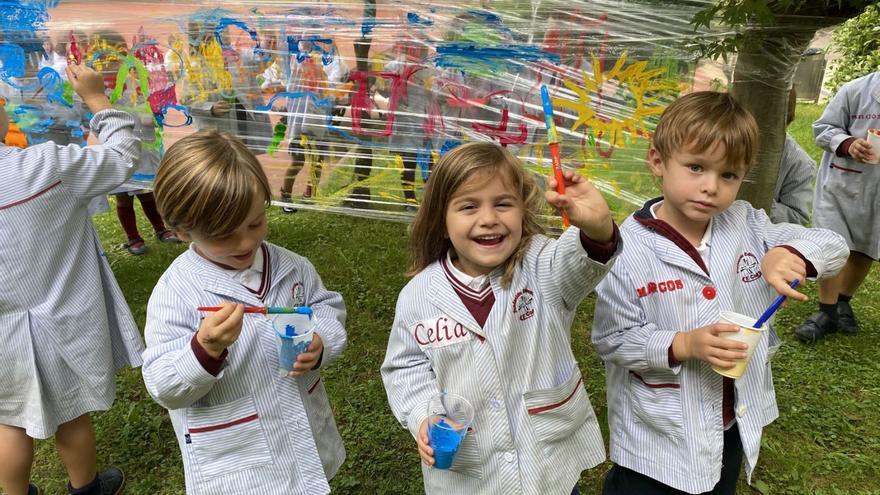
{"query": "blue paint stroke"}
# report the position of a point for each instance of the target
(54, 86)
(29, 119)
(324, 46)
(414, 18)
(17, 15)
(491, 18)
(449, 145)
(319, 102)
(161, 117)
(12, 66)
(367, 27)
(225, 22)
(463, 55)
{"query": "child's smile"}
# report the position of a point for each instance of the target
(484, 223)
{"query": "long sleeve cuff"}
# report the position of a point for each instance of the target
(843, 149)
(811, 270)
(211, 364)
(601, 252)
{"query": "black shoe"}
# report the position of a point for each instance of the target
(34, 490)
(110, 481)
(846, 320)
(817, 326)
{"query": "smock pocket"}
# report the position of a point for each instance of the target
(773, 343)
(227, 438)
(467, 459)
(557, 413)
(656, 401)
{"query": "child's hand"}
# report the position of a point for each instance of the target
(706, 344)
(221, 328)
(89, 85)
(220, 108)
(309, 359)
(862, 151)
(781, 267)
(425, 450)
(584, 204)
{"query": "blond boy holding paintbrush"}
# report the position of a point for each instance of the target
(676, 425)
(241, 426)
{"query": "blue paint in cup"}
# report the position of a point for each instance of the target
(445, 440)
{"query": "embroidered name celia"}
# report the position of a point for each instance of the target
(667, 286)
(440, 332)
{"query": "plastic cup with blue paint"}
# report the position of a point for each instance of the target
(294, 332)
(449, 417)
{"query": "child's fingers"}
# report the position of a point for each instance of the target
(720, 363)
(720, 328)
(785, 290)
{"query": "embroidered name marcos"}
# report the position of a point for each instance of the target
(654, 287)
(439, 332)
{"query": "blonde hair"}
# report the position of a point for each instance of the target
(207, 183)
(697, 121)
(429, 241)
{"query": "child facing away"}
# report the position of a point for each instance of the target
(488, 317)
(65, 324)
(676, 425)
(846, 199)
(240, 426)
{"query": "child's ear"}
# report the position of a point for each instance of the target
(182, 235)
(655, 162)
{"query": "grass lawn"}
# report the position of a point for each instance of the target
(826, 440)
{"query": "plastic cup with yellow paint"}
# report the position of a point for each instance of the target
(748, 334)
(874, 141)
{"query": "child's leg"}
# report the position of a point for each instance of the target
(731, 463)
(148, 203)
(125, 212)
(75, 441)
(297, 161)
(854, 272)
(16, 457)
(624, 481)
(408, 179)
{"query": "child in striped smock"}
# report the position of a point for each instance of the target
(488, 317)
(676, 425)
(240, 426)
(64, 323)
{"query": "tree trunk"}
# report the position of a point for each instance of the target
(761, 82)
(364, 161)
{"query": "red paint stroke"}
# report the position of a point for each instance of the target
(361, 102)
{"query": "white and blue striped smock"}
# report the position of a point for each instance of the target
(246, 430)
(846, 198)
(65, 325)
(535, 430)
(666, 422)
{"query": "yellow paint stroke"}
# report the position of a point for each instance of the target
(638, 79)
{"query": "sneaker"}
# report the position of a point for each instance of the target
(285, 197)
(34, 490)
(817, 326)
(167, 236)
(135, 246)
(110, 481)
(846, 320)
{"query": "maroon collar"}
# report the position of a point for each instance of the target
(646, 218)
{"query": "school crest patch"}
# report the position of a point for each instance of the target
(524, 304)
(748, 268)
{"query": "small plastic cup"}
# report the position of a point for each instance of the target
(747, 333)
(295, 332)
(874, 141)
(449, 417)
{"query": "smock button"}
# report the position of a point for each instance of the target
(508, 456)
(709, 293)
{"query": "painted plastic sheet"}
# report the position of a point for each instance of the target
(349, 106)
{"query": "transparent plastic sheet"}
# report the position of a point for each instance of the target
(336, 135)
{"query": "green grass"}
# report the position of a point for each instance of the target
(825, 442)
